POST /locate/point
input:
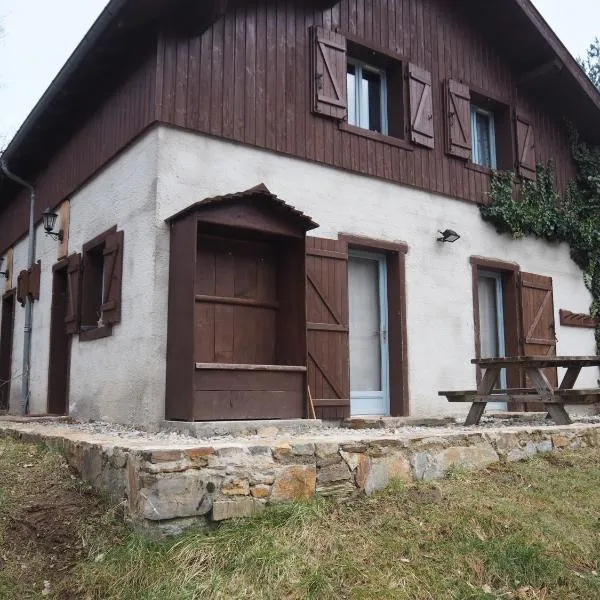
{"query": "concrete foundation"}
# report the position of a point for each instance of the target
(168, 482)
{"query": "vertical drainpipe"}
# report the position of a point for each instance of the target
(28, 301)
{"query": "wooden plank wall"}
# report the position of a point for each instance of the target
(236, 302)
(118, 120)
(246, 79)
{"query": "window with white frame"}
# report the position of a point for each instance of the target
(484, 137)
(367, 97)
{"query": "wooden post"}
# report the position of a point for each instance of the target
(311, 404)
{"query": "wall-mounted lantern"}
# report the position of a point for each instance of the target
(449, 236)
(4, 274)
(49, 218)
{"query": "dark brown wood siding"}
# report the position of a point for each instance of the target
(248, 79)
(117, 120)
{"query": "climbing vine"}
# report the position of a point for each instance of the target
(537, 209)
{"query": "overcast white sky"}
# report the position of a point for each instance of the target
(41, 34)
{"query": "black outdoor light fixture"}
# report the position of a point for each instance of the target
(448, 236)
(49, 217)
(4, 274)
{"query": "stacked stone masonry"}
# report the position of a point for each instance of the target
(176, 488)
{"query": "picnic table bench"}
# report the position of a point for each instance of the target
(542, 391)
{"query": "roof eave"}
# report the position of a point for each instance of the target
(560, 50)
(79, 54)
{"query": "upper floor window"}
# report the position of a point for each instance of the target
(370, 91)
(483, 130)
(479, 128)
(367, 97)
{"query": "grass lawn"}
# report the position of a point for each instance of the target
(527, 531)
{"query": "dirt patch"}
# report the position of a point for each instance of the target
(422, 495)
(45, 516)
(504, 474)
(47, 532)
(559, 461)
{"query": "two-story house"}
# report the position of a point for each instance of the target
(251, 195)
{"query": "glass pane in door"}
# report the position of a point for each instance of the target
(488, 320)
(491, 326)
(365, 344)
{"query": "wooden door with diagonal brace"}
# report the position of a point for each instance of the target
(538, 332)
(327, 326)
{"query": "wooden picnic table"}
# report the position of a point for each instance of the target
(542, 392)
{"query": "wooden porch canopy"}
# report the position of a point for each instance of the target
(257, 198)
(237, 312)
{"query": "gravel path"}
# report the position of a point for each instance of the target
(100, 432)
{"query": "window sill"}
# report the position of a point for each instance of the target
(376, 137)
(479, 168)
(95, 334)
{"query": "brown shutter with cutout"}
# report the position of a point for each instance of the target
(421, 107)
(327, 324)
(74, 294)
(113, 275)
(22, 287)
(458, 119)
(538, 332)
(328, 73)
(526, 162)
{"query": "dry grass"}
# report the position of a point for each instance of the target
(527, 531)
(49, 523)
(523, 531)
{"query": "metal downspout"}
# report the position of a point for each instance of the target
(28, 302)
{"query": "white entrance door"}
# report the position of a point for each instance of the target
(491, 324)
(367, 285)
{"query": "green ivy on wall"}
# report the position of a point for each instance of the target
(536, 208)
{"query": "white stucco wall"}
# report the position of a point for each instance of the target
(46, 251)
(439, 287)
(122, 378)
(119, 378)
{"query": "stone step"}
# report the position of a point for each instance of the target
(395, 422)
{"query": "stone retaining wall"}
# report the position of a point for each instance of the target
(174, 488)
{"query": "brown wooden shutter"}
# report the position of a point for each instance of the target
(28, 283)
(458, 119)
(113, 275)
(538, 332)
(421, 107)
(35, 273)
(526, 162)
(9, 269)
(327, 324)
(74, 294)
(22, 287)
(328, 73)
